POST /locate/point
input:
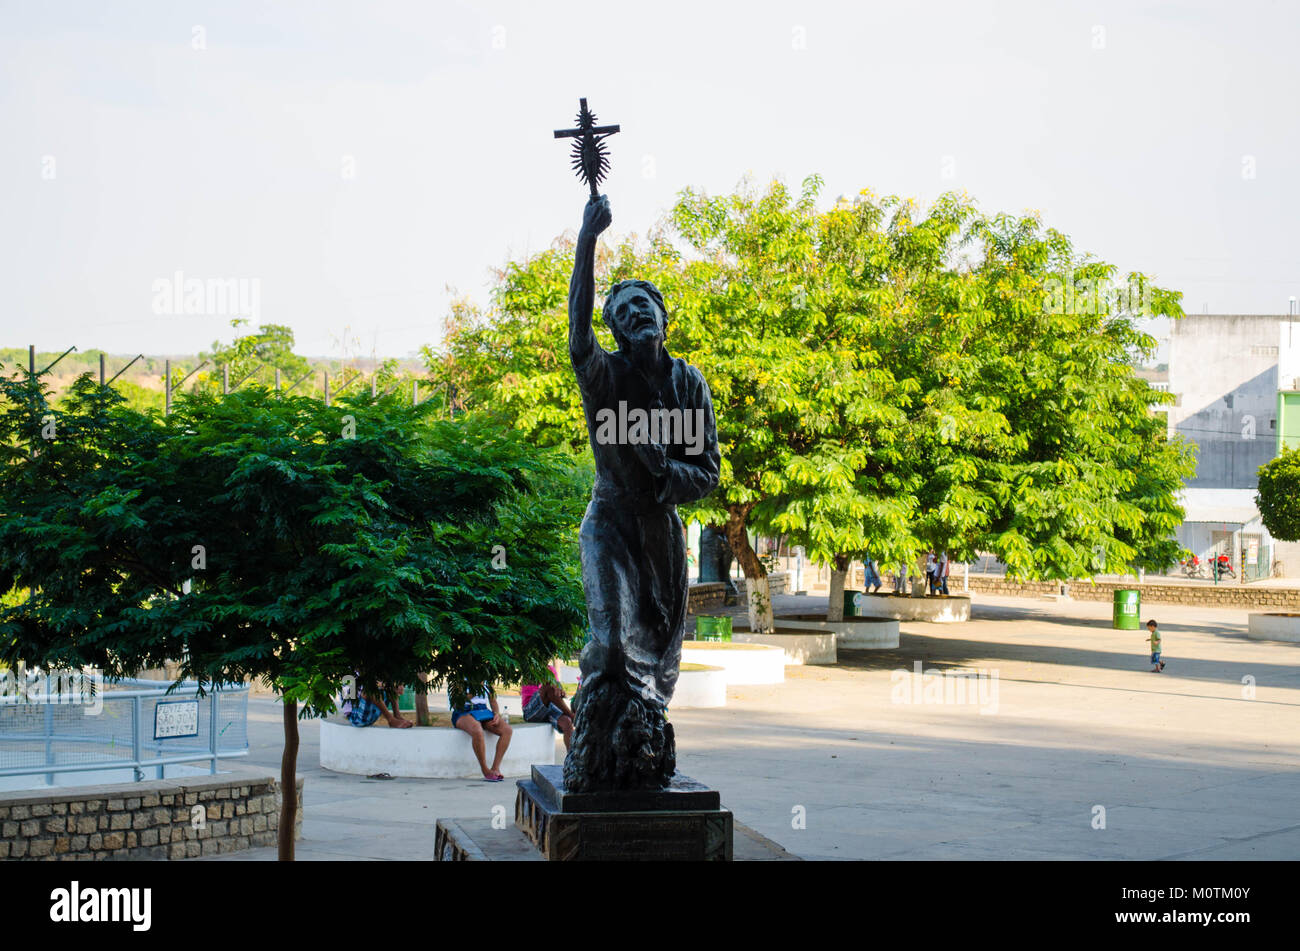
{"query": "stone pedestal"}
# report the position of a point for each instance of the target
(685, 822)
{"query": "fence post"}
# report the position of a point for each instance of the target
(136, 727)
(415, 393)
(167, 387)
(101, 369)
(212, 729)
(225, 380)
(327, 387)
(374, 386)
(277, 379)
(49, 734)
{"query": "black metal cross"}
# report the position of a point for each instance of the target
(590, 159)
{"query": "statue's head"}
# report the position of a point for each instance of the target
(635, 312)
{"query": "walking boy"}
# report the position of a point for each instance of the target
(1157, 664)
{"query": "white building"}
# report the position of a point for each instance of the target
(1227, 371)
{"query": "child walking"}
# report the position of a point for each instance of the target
(1157, 664)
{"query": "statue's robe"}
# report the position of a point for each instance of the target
(632, 543)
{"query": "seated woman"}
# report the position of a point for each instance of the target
(545, 703)
(478, 714)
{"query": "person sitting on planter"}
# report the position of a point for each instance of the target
(481, 713)
(363, 710)
(544, 703)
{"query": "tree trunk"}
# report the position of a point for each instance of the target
(835, 604)
(422, 702)
(920, 581)
(289, 781)
(758, 594)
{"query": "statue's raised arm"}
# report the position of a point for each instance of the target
(596, 217)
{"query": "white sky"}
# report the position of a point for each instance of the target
(227, 162)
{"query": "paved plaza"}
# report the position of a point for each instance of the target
(833, 765)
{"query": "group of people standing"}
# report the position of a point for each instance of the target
(937, 567)
(936, 572)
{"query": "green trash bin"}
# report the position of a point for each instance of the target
(852, 601)
(713, 628)
(406, 701)
(1128, 610)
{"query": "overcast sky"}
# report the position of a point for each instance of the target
(357, 159)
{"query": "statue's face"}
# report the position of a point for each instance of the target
(637, 319)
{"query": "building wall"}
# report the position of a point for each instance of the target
(1286, 556)
(1224, 369)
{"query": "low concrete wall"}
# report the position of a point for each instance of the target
(800, 647)
(154, 819)
(937, 609)
(429, 752)
(700, 688)
(743, 664)
(863, 633)
(1274, 627)
(1227, 594)
(705, 597)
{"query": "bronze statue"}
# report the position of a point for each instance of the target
(652, 430)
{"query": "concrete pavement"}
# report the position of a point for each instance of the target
(833, 764)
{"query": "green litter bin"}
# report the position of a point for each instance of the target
(406, 701)
(713, 628)
(852, 601)
(1128, 610)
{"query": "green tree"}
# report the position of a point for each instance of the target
(1278, 497)
(256, 355)
(255, 536)
(886, 380)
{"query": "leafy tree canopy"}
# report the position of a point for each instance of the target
(886, 379)
(1278, 498)
(271, 537)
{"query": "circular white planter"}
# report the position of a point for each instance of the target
(700, 688)
(742, 664)
(429, 752)
(937, 609)
(865, 633)
(800, 647)
(1274, 627)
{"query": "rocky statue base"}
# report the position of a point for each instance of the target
(682, 822)
(619, 741)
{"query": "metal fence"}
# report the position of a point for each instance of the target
(135, 727)
(330, 387)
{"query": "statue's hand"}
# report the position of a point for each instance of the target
(596, 217)
(653, 456)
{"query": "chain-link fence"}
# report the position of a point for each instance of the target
(121, 732)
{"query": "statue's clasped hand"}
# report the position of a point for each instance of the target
(653, 456)
(596, 217)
